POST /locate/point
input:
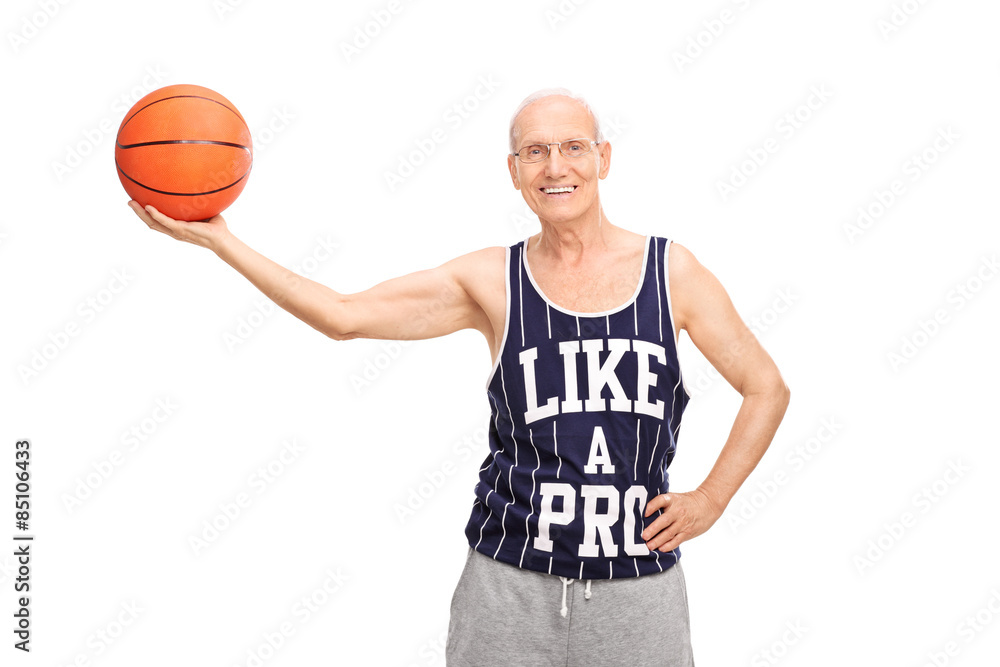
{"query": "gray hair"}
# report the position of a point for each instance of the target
(549, 92)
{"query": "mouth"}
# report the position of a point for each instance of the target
(561, 192)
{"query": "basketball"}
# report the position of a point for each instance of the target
(186, 150)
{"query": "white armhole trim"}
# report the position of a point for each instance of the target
(506, 320)
(670, 311)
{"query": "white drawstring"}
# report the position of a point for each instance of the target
(566, 582)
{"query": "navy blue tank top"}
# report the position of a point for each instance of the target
(586, 410)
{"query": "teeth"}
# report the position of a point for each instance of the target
(551, 191)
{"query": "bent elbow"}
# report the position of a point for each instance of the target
(782, 393)
(335, 322)
(771, 388)
(338, 334)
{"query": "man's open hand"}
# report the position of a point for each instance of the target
(206, 234)
(685, 515)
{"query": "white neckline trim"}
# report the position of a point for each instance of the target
(635, 295)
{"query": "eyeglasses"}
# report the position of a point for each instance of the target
(569, 148)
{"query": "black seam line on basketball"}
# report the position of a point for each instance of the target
(174, 97)
(180, 194)
(184, 141)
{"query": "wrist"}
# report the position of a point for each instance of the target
(716, 499)
(222, 245)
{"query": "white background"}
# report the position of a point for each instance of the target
(790, 551)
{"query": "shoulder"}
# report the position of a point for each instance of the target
(477, 260)
(484, 258)
(479, 270)
(681, 262)
(692, 285)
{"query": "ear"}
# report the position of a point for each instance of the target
(512, 166)
(605, 153)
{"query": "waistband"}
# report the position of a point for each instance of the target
(566, 581)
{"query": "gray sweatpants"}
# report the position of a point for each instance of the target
(506, 616)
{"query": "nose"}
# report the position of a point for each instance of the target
(556, 163)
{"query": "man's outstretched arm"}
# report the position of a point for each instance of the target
(424, 304)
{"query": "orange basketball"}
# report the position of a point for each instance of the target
(186, 150)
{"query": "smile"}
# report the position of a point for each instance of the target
(560, 191)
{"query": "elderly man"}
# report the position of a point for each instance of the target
(586, 393)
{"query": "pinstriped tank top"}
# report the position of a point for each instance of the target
(586, 411)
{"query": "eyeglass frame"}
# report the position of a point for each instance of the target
(555, 143)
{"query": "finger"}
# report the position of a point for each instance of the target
(669, 545)
(660, 524)
(658, 501)
(141, 212)
(147, 218)
(668, 539)
(138, 210)
(164, 220)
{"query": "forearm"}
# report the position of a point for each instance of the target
(313, 303)
(753, 429)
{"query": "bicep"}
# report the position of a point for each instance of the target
(706, 312)
(423, 304)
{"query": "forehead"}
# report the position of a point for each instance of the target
(556, 116)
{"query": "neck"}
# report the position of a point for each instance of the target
(572, 240)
